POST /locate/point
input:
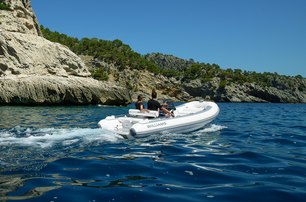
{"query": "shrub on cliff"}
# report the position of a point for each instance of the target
(100, 74)
(4, 6)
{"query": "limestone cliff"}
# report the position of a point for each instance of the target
(34, 70)
(54, 90)
(29, 54)
(19, 17)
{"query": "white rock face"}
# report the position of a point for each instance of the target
(19, 18)
(34, 55)
(55, 90)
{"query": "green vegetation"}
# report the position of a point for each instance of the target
(100, 74)
(109, 51)
(122, 56)
(4, 6)
(190, 70)
(206, 72)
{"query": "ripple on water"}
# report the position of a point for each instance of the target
(252, 152)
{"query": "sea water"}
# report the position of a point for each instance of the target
(251, 152)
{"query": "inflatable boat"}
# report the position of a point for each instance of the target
(186, 117)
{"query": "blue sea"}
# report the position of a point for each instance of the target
(251, 152)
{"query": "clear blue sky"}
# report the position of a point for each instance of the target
(253, 35)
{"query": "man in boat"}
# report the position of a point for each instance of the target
(153, 104)
(139, 104)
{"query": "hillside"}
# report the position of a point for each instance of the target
(177, 78)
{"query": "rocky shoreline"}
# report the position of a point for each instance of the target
(142, 82)
(54, 90)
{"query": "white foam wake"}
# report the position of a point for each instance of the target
(47, 137)
(213, 128)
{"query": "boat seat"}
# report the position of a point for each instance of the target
(137, 112)
(187, 110)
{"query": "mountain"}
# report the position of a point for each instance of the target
(184, 80)
(36, 71)
(176, 78)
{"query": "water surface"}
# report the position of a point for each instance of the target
(251, 152)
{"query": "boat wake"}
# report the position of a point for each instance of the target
(212, 128)
(48, 137)
(27, 148)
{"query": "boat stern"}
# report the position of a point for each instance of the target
(110, 123)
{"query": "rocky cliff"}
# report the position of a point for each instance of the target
(19, 17)
(34, 70)
(219, 85)
(246, 92)
(283, 89)
(54, 90)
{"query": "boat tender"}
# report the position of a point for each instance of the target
(188, 117)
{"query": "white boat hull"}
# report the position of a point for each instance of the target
(188, 117)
